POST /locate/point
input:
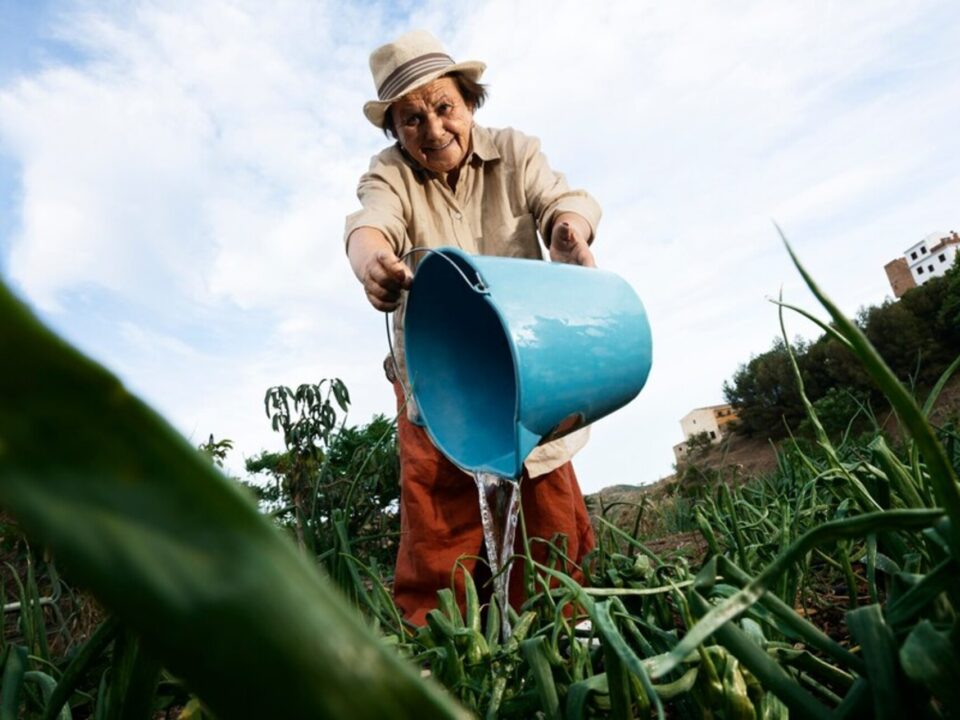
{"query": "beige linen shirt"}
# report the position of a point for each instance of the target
(505, 194)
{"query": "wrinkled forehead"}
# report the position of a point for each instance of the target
(441, 89)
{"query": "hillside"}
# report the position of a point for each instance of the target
(737, 459)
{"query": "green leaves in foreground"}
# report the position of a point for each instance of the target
(177, 551)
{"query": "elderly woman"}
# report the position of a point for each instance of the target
(447, 181)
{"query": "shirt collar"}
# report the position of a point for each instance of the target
(483, 146)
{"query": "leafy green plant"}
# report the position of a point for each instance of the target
(699, 443)
(354, 475)
(216, 450)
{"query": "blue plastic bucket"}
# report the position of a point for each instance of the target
(506, 353)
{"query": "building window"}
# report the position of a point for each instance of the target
(713, 435)
(923, 250)
(920, 270)
(930, 268)
(913, 255)
(942, 257)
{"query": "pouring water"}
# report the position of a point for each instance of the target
(499, 511)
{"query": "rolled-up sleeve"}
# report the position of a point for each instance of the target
(382, 208)
(548, 194)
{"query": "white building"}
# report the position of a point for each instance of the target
(932, 256)
(709, 420)
(929, 258)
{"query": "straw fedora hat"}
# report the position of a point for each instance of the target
(409, 62)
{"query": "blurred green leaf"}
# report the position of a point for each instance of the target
(14, 668)
(179, 552)
(47, 687)
(879, 649)
(930, 659)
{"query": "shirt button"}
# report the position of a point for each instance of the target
(458, 216)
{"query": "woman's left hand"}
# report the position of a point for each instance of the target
(568, 241)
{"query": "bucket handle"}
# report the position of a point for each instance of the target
(478, 287)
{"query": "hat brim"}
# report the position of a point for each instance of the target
(375, 110)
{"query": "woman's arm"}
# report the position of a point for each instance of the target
(567, 218)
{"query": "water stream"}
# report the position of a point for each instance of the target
(499, 511)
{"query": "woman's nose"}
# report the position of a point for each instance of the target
(434, 127)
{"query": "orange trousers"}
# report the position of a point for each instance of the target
(440, 522)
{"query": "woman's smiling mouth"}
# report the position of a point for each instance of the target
(439, 149)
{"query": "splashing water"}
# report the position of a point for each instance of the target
(499, 510)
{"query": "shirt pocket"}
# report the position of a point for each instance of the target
(517, 237)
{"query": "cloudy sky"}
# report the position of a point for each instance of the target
(174, 177)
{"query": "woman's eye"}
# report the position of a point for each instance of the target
(444, 108)
(411, 121)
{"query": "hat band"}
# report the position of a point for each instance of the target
(410, 71)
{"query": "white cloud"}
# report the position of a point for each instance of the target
(195, 168)
(198, 150)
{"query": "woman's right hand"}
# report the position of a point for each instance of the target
(384, 277)
(377, 266)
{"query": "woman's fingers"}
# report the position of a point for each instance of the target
(565, 236)
(395, 269)
(385, 277)
(568, 247)
(584, 256)
(562, 241)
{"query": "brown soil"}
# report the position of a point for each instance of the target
(689, 545)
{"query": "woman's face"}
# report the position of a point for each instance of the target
(433, 125)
